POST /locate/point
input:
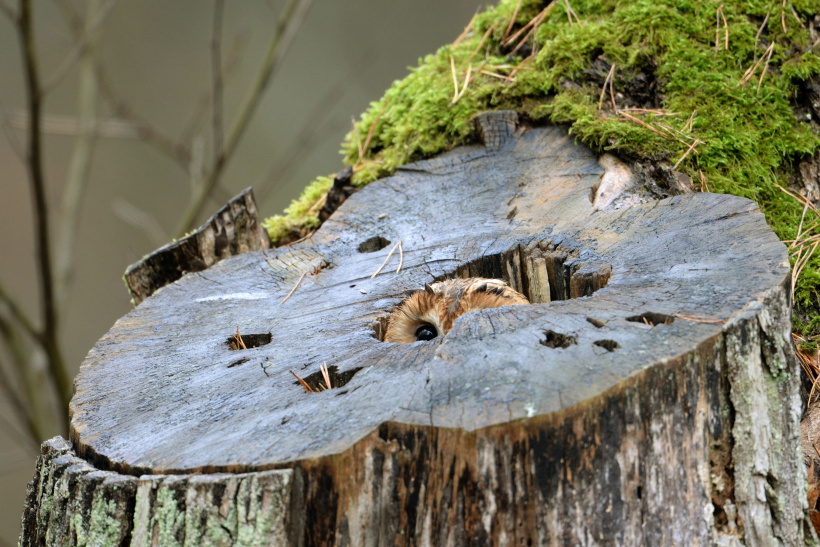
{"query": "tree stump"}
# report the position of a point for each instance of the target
(648, 395)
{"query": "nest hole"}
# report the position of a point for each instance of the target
(250, 341)
(541, 271)
(373, 244)
(316, 381)
(557, 340)
(652, 319)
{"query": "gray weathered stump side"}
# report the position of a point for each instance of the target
(649, 395)
(233, 230)
(69, 502)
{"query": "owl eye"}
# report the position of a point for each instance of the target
(426, 332)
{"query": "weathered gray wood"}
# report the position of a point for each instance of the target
(662, 409)
(233, 230)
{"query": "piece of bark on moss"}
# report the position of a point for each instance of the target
(234, 229)
(654, 399)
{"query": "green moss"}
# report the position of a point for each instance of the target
(301, 213)
(750, 137)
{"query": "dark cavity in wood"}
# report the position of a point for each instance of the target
(652, 319)
(250, 340)
(554, 339)
(373, 244)
(337, 379)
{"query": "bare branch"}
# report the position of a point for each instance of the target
(313, 129)
(145, 131)
(229, 69)
(216, 76)
(15, 143)
(141, 220)
(8, 11)
(17, 312)
(34, 412)
(80, 165)
(35, 168)
(89, 34)
(287, 29)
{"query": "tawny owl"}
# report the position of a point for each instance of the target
(428, 313)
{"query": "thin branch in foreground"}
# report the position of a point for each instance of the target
(48, 337)
(79, 168)
(216, 76)
(8, 12)
(280, 42)
(84, 40)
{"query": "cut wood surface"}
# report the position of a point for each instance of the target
(649, 395)
(233, 230)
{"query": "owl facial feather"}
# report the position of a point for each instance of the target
(440, 304)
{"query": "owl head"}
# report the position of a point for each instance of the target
(430, 312)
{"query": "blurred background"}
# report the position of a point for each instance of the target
(130, 136)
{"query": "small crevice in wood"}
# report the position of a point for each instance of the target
(652, 319)
(250, 341)
(557, 340)
(239, 362)
(376, 243)
(609, 345)
(337, 379)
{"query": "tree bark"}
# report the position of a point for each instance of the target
(649, 395)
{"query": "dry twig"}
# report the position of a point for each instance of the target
(636, 120)
(240, 342)
(304, 384)
(325, 375)
(692, 147)
(388, 258)
(301, 277)
(512, 21)
(603, 89)
(370, 135)
(464, 32)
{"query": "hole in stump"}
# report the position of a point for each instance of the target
(554, 339)
(250, 340)
(652, 319)
(373, 244)
(542, 271)
(337, 379)
(609, 345)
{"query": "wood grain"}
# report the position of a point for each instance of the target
(648, 396)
